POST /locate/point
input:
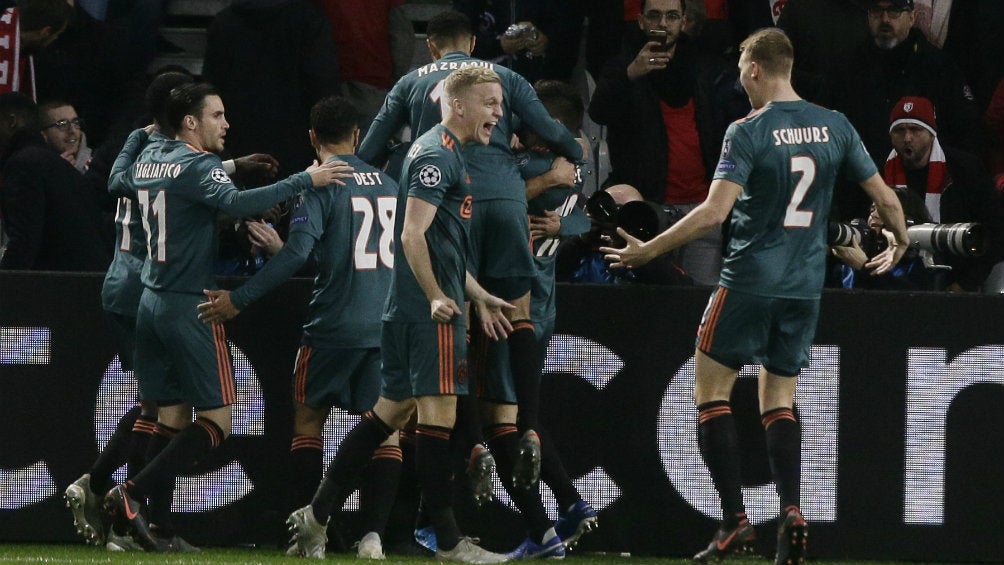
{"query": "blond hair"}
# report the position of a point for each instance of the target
(462, 79)
(771, 49)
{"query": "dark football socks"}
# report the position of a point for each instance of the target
(379, 488)
(344, 470)
(503, 441)
(116, 452)
(432, 447)
(306, 460)
(784, 450)
(719, 446)
(525, 373)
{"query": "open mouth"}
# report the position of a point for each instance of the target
(487, 127)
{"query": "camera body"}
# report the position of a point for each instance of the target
(640, 218)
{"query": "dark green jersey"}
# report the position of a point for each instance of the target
(786, 156)
(350, 231)
(567, 202)
(122, 287)
(180, 190)
(433, 171)
(415, 101)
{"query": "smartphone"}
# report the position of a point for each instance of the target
(660, 36)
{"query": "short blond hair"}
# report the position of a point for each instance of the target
(462, 79)
(771, 49)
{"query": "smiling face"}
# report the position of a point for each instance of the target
(482, 110)
(913, 144)
(211, 125)
(61, 129)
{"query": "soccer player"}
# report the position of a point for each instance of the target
(501, 258)
(182, 364)
(423, 344)
(120, 298)
(349, 230)
(777, 169)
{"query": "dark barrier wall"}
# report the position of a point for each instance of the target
(901, 411)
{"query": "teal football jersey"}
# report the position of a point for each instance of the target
(568, 203)
(180, 190)
(349, 230)
(433, 171)
(786, 156)
(122, 286)
(416, 101)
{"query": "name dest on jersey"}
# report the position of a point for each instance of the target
(156, 170)
(367, 179)
(798, 136)
(452, 66)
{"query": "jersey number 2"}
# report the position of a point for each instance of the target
(793, 216)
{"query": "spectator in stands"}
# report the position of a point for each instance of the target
(25, 29)
(898, 61)
(63, 129)
(49, 214)
(85, 67)
(286, 62)
(515, 34)
(375, 43)
(973, 41)
(666, 104)
(953, 183)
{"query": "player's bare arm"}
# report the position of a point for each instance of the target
(418, 216)
(492, 310)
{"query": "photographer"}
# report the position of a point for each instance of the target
(908, 274)
(953, 184)
(580, 261)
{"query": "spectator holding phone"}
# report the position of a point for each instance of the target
(666, 103)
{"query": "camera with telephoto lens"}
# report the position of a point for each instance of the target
(522, 30)
(640, 218)
(961, 240)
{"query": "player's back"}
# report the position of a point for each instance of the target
(354, 227)
(170, 183)
(122, 285)
(787, 157)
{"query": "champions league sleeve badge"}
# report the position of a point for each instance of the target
(429, 176)
(220, 176)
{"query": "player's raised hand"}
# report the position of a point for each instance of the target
(887, 259)
(444, 309)
(218, 309)
(633, 254)
(329, 173)
(563, 172)
(492, 312)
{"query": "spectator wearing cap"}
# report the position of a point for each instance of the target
(897, 61)
(953, 183)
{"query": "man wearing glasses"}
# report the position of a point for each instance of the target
(64, 131)
(666, 103)
(897, 61)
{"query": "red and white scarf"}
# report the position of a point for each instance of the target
(937, 178)
(12, 65)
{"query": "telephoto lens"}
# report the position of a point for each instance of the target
(963, 240)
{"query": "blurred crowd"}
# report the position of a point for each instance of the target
(921, 80)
